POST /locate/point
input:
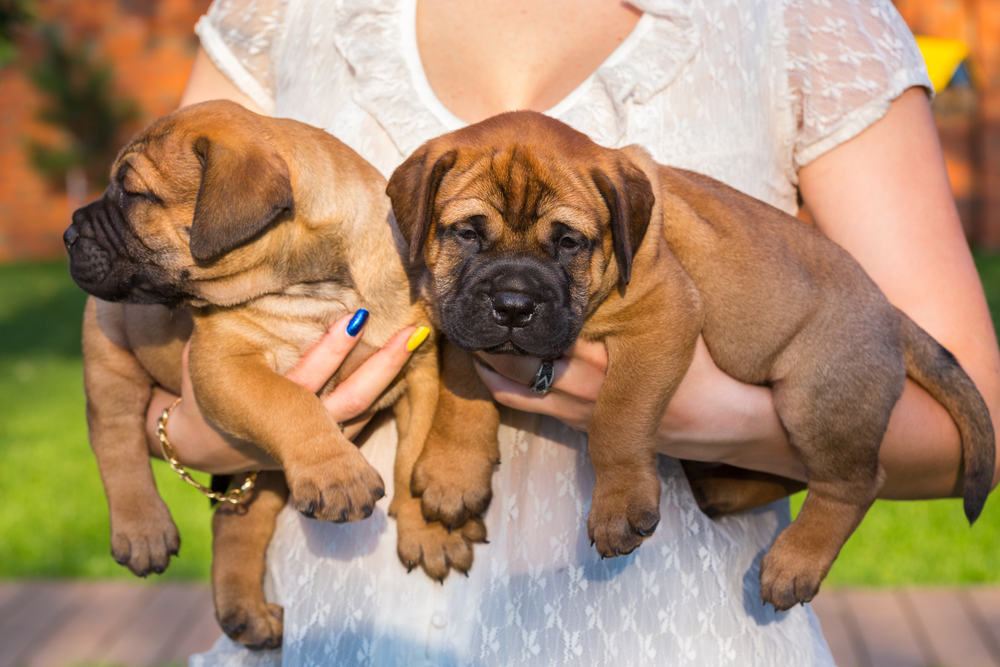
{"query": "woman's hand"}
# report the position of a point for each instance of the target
(200, 445)
(712, 417)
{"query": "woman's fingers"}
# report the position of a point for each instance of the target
(576, 382)
(579, 372)
(356, 394)
(519, 369)
(568, 409)
(325, 357)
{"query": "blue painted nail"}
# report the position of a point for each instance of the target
(358, 321)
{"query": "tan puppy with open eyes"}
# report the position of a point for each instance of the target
(250, 236)
(529, 235)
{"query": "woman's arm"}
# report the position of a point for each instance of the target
(883, 196)
(208, 83)
(198, 444)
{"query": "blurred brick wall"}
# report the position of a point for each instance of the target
(969, 120)
(151, 45)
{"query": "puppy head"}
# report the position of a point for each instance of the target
(189, 198)
(524, 226)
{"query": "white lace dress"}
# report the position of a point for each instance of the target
(746, 91)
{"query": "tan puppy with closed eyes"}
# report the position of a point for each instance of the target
(250, 236)
(529, 235)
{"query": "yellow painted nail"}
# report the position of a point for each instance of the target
(416, 338)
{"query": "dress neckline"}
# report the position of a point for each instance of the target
(411, 54)
(378, 39)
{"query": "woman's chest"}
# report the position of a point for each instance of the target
(702, 86)
(482, 58)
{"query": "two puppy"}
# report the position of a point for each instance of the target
(522, 236)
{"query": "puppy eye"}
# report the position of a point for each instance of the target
(129, 194)
(468, 234)
(569, 243)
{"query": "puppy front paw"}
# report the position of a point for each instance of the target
(452, 489)
(433, 547)
(255, 624)
(339, 489)
(621, 518)
(144, 536)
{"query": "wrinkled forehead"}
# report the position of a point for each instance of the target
(522, 183)
(162, 157)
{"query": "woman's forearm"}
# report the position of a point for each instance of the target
(738, 425)
(922, 450)
(716, 418)
(198, 444)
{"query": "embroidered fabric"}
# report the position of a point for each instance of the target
(746, 91)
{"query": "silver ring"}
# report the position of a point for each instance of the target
(542, 381)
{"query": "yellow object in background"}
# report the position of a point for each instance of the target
(943, 57)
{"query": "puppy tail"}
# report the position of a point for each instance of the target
(935, 369)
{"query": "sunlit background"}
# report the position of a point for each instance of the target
(78, 78)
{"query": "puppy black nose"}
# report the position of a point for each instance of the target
(70, 237)
(512, 310)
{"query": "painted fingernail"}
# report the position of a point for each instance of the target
(416, 338)
(358, 321)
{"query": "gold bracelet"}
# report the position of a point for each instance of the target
(233, 496)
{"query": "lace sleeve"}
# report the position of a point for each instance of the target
(847, 61)
(243, 38)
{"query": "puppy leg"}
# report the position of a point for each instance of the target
(240, 392)
(240, 534)
(838, 439)
(723, 489)
(143, 535)
(622, 443)
(453, 476)
(429, 544)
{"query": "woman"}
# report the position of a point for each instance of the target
(775, 100)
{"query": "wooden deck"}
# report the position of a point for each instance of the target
(48, 624)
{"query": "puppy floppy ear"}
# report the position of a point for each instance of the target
(243, 189)
(629, 198)
(413, 189)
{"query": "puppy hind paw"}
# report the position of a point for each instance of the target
(785, 590)
(435, 549)
(145, 547)
(790, 576)
(452, 491)
(255, 625)
(617, 526)
(614, 538)
(452, 507)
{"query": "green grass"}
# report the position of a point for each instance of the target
(54, 518)
(920, 543)
(54, 522)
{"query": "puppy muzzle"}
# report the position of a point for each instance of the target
(512, 307)
(108, 261)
